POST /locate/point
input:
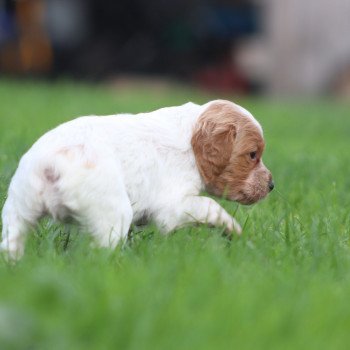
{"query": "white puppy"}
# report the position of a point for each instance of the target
(107, 172)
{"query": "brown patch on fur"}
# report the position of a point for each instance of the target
(50, 175)
(75, 152)
(212, 141)
(89, 164)
(222, 141)
(68, 151)
(64, 151)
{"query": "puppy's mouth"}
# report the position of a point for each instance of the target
(245, 199)
(241, 196)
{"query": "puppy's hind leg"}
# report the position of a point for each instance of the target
(22, 209)
(109, 223)
(14, 228)
(108, 214)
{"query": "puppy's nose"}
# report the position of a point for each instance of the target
(271, 185)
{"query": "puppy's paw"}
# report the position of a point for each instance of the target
(11, 252)
(222, 218)
(233, 226)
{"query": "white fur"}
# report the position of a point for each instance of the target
(107, 172)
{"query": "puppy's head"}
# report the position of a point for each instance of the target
(228, 145)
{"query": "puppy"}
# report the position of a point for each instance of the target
(107, 172)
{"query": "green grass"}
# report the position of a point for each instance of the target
(285, 284)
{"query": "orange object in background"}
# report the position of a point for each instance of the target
(30, 51)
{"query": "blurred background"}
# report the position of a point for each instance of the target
(273, 47)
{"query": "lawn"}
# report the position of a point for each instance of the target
(284, 284)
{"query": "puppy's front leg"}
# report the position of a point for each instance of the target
(197, 209)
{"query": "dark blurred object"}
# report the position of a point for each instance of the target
(175, 39)
(221, 77)
(279, 47)
(341, 84)
(186, 39)
(25, 45)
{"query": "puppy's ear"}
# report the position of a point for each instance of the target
(212, 140)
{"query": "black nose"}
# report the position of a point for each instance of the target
(271, 185)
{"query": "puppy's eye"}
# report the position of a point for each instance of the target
(252, 155)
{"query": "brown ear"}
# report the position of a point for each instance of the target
(212, 140)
